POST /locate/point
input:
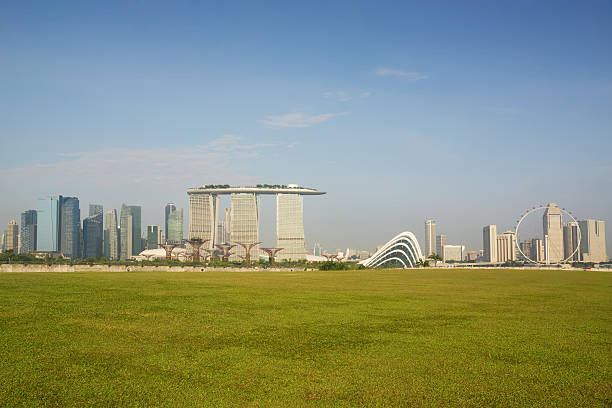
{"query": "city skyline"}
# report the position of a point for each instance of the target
(115, 104)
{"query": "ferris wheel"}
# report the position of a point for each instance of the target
(543, 207)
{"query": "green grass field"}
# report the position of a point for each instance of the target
(353, 338)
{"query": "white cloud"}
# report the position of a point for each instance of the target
(365, 94)
(128, 171)
(408, 75)
(297, 120)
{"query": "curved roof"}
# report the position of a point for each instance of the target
(403, 248)
(255, 190)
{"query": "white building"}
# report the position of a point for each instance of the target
(553, 234)
(506, 247)
(489, 243)
(430, 237)
(452, 253)
(593, 242)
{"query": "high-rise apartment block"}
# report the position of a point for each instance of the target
(506, 247)
(430, 237)
(11, 237)
(489, 242)
(112, 246)
(553, 234)
(593, 241)
(28, 231)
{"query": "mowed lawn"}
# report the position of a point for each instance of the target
(352, 338)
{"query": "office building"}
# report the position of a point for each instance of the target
(506, 247)
(440, 242)
(131, 231)
(93, 235)
(593, 242)
(154, 237)
(27, 234)
(489, 243)
(571, 251)
(203, 211)
(553, 234)
(170, 208)
(526, 250)
(48, 224)
(70, 227)
(112, 246)
(11, 237)
(317, 251)
(452, 253)
(471, 256)
(290, 227)
(96, 209)
(174, 233)
(430, 237)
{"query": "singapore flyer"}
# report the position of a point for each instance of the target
(552, 244)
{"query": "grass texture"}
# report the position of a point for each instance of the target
(504, 338)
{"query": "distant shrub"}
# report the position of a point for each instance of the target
(332, 266)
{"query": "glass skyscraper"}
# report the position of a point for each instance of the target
(112, 247)
(48, 227)
(28, 231)
(131, 231)
(70, 227)
(96, 209)
(93, 233)
(174, 234)
(170, 208)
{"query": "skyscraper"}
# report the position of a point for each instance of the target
(131, 231)
(28, 231)
(430, 237)
(112, 246)
(290, 227)
(96, 209)
(537, 250)
(170, 208)
(227, 221)
(203, 218)
(70, 227)
(174, 233)
(440, 242)
(593, 242)
(489, 243)
(571, 252)
(154, 236)
(11, 240)
(506, 247)
(48, 224)
(245, 222)
(93, 233)
(553, 233)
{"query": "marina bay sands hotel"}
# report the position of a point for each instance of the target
(244, 216)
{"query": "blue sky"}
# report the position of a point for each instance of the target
(465, 112)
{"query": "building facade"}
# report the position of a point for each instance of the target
(290, 227)
(593, 242)
(93, 235)
(154, 237)
(506, 247)
(553, 233)
(244, 226)
(131, 231)
(440, 242)
(174, 233)
(203, 210)
(27, 232)
(48, 224)
(452, 253)
(430, 237)
(95, 209)
(70, 227)
(571, 233)
(489, 243)
(169, 209)
(11, 237)
(112, 247)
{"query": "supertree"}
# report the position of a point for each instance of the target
(247, 247)
(196, 244)
(271, 253)
(168, 247)
(225, 250)
(330, 257)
